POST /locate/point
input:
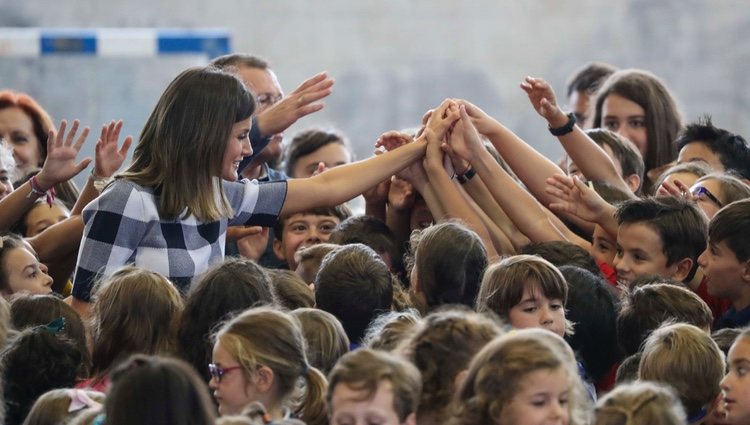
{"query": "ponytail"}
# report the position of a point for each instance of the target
(312, 409)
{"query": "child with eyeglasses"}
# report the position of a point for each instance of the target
(260, 356)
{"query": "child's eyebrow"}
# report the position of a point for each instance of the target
(740, 361)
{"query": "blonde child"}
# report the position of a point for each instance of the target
(687, 359)
(325, 337)
(59, 406)
(260, 356)
(526, 291)
(521, 378)
(639, 403)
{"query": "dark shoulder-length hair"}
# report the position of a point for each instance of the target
(182, 145)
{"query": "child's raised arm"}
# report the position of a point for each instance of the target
(590, 158)
(342, 183)
(59, 166)
(521, 206)
(448, 195)
(574, 197)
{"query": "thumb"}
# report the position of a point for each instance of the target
(82, 165)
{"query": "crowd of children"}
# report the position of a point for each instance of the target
(216, 281)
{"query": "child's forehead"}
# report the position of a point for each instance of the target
(639, 235)
(740, 350)
(311, 216)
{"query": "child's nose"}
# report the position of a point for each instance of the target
(313, 236)
(702, 258)
(546, 316)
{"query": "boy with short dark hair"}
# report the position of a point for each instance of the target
(300, 230)
(720, 149)
(726, 262)
(663, 236)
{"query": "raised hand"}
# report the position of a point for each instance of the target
(483, 123)
(253, 243)
(297, 104)
(393, 139)
(62, 152)
(400, 194)
(319, 169)
(575, 197)
(677, 189)
(542, 98)
(441, 120)
(464, 141)
(109, 158)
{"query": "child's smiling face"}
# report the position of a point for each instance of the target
(640, 252)
(301, 231)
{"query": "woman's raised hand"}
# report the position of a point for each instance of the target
(62, 153)
(108, 157)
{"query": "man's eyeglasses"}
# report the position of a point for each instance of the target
(699, 191)
(218, 372)
(266, 99)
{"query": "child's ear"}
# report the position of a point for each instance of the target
(633, 182)
(264, 379)
(411, 419)
(745, 272)
(682, 270)
(278, 249)
(459, 380)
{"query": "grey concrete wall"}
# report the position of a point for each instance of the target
(393, 59)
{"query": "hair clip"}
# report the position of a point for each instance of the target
(56, 325)
(99, 420)
(79, 399)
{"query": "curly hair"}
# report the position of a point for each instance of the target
(498, 371)
(36, 361)
(455, 334)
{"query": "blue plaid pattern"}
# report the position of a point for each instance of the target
(122, 226)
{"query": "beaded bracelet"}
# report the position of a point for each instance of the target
(37, 190)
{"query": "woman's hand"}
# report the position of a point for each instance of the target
(60, 164)
(109, 158)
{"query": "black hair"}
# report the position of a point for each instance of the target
(36, 360)
(563, 253)
(374, 233)
(732, 149)
(592, 307)
(589, 77)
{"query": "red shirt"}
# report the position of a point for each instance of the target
(718, 306)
